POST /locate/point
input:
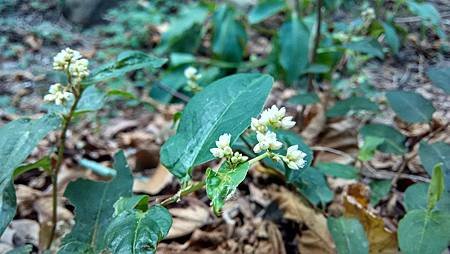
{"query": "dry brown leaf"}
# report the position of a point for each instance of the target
(318, 239)
(118, 125)
(360, 192)
(152, 185)
(381, 240)
(315, 122)
(188, 219)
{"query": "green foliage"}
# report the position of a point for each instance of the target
(440, 76)
(225, 106)
(378, 190)
(135, 231)
(436, 187)
(17, 140)
(304, 99)
(367, 46)
(338, 170)
(352, 104)
(221, 184)
(370, 145)
(229, 35)
(348, 235)
(126, 61)
(92, 99)
(432, 154)
(265, 9)
(391, 37)
(311, 183)
(415, 197)
(410, 107)
(394, 141)
(139, 202)
(43, 163)
(26, 249)
(294, 48)
(93, 203)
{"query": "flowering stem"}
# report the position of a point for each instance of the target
(183, 192)
(258, 158)
(57, 167)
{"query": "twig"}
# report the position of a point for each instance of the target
(182, 193)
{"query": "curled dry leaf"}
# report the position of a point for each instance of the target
(314, 123)
(381, 240)
(152, 185)
(187, 220)
(317, 238)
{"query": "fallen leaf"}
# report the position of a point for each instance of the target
(317, 238)
(187, 220)
(152, 185)
(314, 123)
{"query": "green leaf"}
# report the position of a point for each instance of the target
(92, 99)
(394, 141)
(410, 107)
(440, 76)
(415, 197)
(93, 203)
(349, 235)
(424, 232)
(304, 99)
(370, 145)
(134, 231)
(185, 30)
(338, 170)
(265, 9)
(225, 106)
(222, 184)
(26, 249)
(391, 37)
(426, 11)
(44, 163)
(177, 59)
(170, 83)
(378, 190)
(355, 103)
(432, 154)
(436, 187)
(366, 46)
(294, 48)
(17, 140)
(311, 183)
(139, 202)
(229, 35)
(126, 62)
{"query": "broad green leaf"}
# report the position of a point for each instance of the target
(169, 84)
(126, 61)
(348, 235)
(379, 189)
(436, 187)
(185, 30)
(370, 145)
(92, 99)
(440, 77)
(366, 46)
(265, 9)
(317, 69)
(312, 184)
(304, 99)
(424, 232)
(229, 35)
(222, 184)
(394, 141)
(139, 202)
(410, 107)
(17, 140)
(338, 170)
(415, 197)
(426, 11)
(391, 37)
(225, 106)
(294, 48)
(134, 231)
(432, 154)
(355, 103)
(93, 202)
(44, 163)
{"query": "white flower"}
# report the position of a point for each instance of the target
(191, 73)
(267, 141)
(223, 147)
(368, 15)
(79, 68)
(238, 158)
(287, 123)
(57, 94)
(258, 126)
(294, 158)
(276, 118)
(67, 56)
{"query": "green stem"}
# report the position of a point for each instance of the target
(182, 193)
(258, 158)
(55, 170)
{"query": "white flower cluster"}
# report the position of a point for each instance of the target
(192, 76)
(368, 16)
(58, 94)
(223, 150)
(72, 61)
(271, 118)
